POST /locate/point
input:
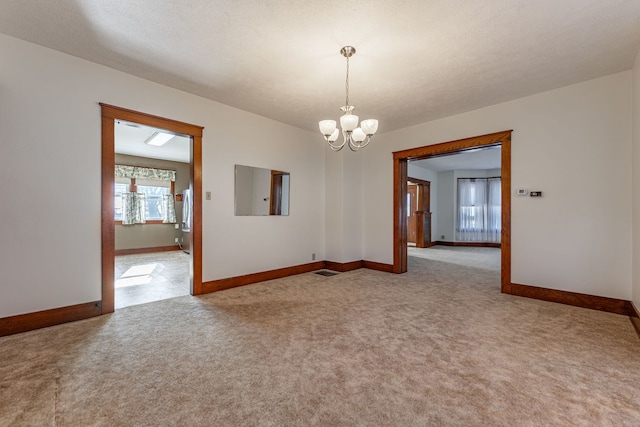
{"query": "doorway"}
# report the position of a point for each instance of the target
(400, 177)
(419, 213)
(109, 116)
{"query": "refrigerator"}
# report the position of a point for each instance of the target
(186, 221)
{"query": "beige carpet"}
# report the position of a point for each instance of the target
(436, 346)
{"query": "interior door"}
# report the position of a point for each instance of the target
(412, 207)
(275, 205)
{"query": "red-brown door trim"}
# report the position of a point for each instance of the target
(110, 114)
(400, 166)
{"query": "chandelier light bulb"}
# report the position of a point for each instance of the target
(369, 126)
(356, 137)
(349, 122)
(327, 127)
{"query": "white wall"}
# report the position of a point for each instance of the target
(343, 210)
(636, 182)
(577, 237)
(446, 205)
(49, 115)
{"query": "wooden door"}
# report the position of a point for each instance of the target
(418, 212)
(412, 207)
(275, 205)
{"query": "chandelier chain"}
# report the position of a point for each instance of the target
(347, 82)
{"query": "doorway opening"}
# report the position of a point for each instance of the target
(419, 213)
(401, 178)
(110, 115)
(152, 213)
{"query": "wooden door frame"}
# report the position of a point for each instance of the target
(400, 169)
(110, 114)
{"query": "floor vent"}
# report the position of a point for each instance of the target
(326, 273)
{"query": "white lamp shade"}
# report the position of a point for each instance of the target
(358, 135)
(349, 122)
(334, 135)
(327, 127)
(369, 126)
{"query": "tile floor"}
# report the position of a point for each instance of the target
(151, 277)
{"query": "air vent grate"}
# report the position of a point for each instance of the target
(326, 273)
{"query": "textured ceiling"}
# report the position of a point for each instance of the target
(129, 138)
(416, 60)
(487, 158)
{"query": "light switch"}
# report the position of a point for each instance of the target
(208, 195)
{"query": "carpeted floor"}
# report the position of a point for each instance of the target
(438, 345)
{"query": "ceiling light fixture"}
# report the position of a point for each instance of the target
(357, 137)
(158, 139)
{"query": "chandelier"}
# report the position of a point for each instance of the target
(357, 137)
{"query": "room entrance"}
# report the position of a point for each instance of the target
(110, 115)
(400, 171)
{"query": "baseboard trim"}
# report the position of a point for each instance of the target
(248, 279)
(343, 267)
(138, 251)
(233, 282)
(635, 318)
(42, 319)
(372, 265)
(594, 302)
(469, 244)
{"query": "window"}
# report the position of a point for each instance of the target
(479, 210)
(154, 192)
(120, 187)
(143, 195)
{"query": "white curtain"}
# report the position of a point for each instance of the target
(168, 209)
(133, 208)
(479, 210)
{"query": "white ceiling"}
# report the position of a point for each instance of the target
(487, 158)
(416, 60)
(130, 139)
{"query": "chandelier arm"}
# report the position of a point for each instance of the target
(362, 144)
(336, 147)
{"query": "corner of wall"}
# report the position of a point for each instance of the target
(635, 168)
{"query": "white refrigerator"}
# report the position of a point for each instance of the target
(186, 221)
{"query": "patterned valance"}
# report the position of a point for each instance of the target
(138, 172)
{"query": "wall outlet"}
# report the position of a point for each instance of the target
(313, 257)
(176, 225)
(442, 237)
(175, 240)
